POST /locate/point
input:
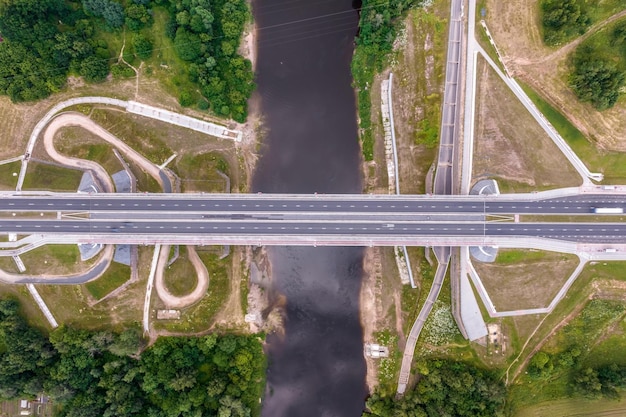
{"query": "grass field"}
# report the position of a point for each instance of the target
(521, 279)
(611, 164)
(576, 407)
(416, 95)
(115, 275)
(531, 161)
(199, 172)
(199, 317)
(567, 349)
(54, 260)
(180, 277)
(42, 176)
(8, 180)
(79, 143)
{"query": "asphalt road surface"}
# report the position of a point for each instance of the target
(583, 204)
(587, 232)
(451, 100)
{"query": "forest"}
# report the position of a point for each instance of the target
(45, 41)
(106, 374)
(445, 388)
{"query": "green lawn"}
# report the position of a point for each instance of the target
(199, 172)
(575, 407)
(611, 164)
(42, 176)
(8, 181)
(180, 277)
(116, 275)
(513, 256)
(100, 153)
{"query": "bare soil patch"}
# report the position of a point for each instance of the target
(515, 27)
(509, 144)
(528, 283)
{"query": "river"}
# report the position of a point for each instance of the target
(304, 50)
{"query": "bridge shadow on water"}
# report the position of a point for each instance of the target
(307, 102)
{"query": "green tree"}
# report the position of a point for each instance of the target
(137, 16)
(562, 19)
(597, 81)
(94, 69)
(142, 45)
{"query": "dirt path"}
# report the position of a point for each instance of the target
(48, 139)
(567, 48)
(543, 341)
(80, 120)
(168, 298)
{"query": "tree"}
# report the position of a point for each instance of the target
(142, 45)
(562, 19)
(586, 382)
(597, 81)
(187, 45)
(540, 365)
(24, 354)
(112, 12)
(94, 69)
(137, 16)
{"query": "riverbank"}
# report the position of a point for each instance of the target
(420, 43)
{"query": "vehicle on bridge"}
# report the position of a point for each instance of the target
(608, 210)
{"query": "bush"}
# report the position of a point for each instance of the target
(186, 98)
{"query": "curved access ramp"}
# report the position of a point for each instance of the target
(79, 278)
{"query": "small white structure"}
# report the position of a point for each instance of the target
(374, 350)
(168, 314)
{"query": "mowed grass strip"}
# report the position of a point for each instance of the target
(116, 275)
(522, 279)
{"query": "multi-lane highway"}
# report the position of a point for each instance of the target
(280, 219)
(345, 205)
(444, 175)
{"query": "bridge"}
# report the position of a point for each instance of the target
(339, 220)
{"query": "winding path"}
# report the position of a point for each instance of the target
(168, 298)
(64, 120)
(80, 120)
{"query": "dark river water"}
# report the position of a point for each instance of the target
(304, 83)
